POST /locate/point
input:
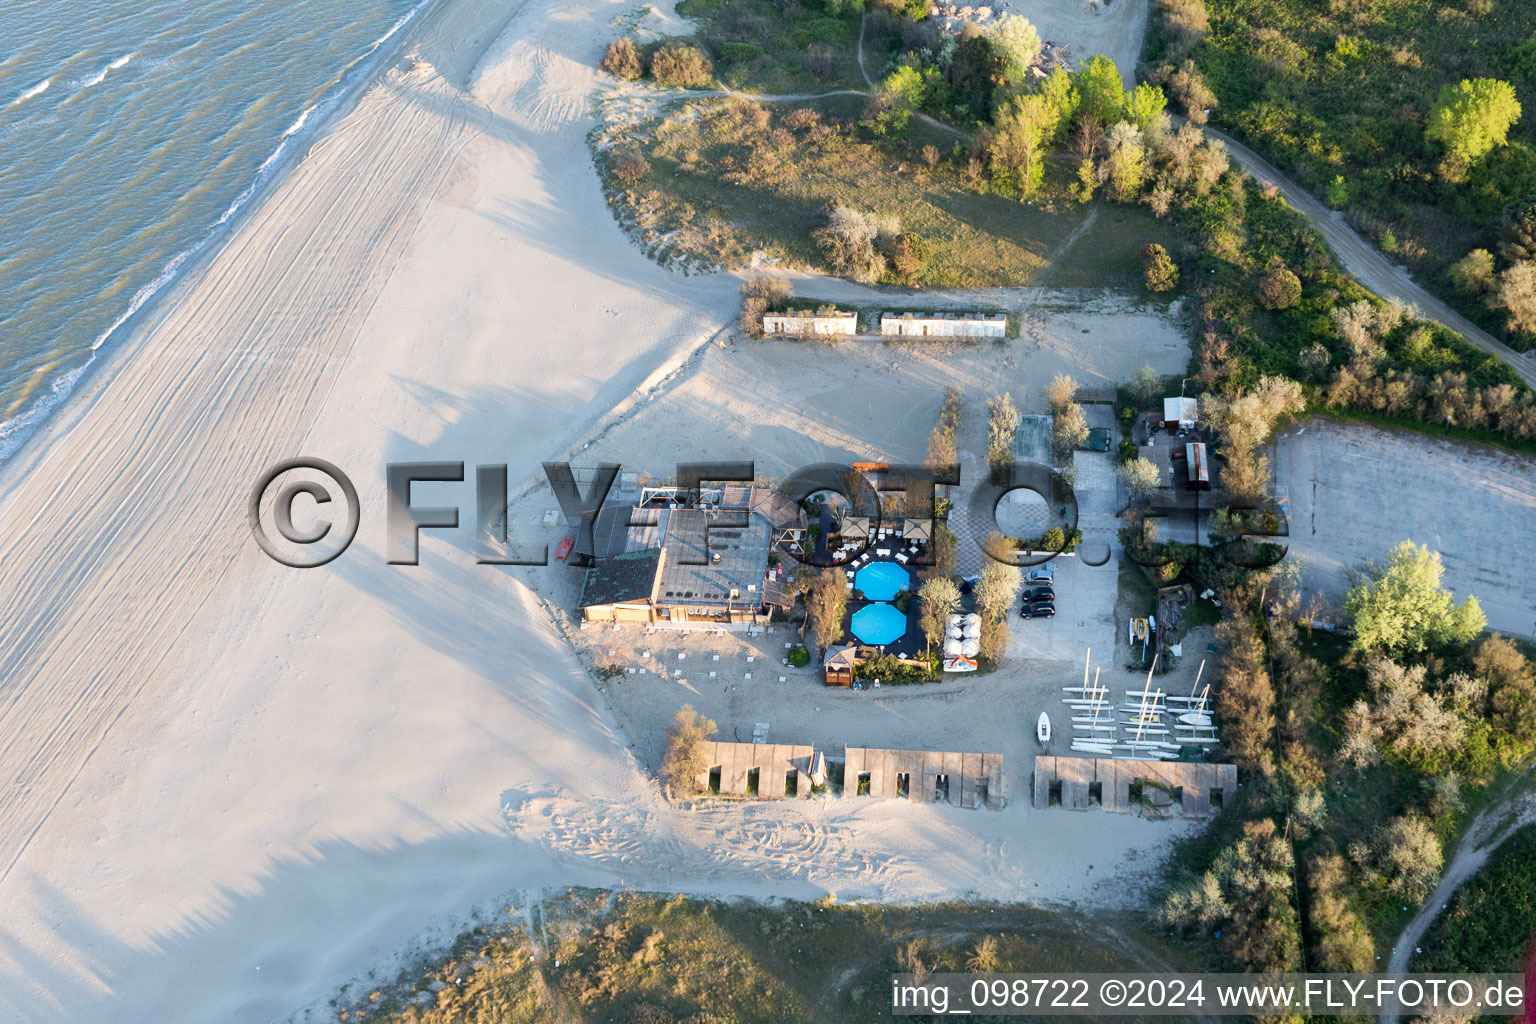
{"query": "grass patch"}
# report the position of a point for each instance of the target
(1109, 255)
(727, 178)
(757, 49)
(1489, 925)
(645, 959)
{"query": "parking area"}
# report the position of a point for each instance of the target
(1085, 616)
(1354, 491)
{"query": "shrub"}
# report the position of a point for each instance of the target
(630, 166)
(1189, 91)
(1473, 273)
(1336, 194)
(1279, 288)
(622, 60)
(799, 657)
(1517, 231)
(1159, 271)
(1409, 855)
(681, 64)
(684, 758)
(1511, 680)
(821, 61)
(849, 242)
(907, 255)
(1516, 295)
(759, 294)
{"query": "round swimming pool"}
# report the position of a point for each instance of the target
(881, 581)
(879, 624)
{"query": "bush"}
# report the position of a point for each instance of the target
(630, 166)
(681, 64)
(684, 758)
(1159, 271)
(1473, 273)
(850, 241)
(759, 294)
(907, 255)
(1279, 288)
(622, 60)
(799, 657)
(821, 61)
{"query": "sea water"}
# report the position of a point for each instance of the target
(131, 133)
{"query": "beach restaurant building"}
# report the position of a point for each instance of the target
(664, 563)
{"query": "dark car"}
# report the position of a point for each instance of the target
(1037, 610)
(1039, 594)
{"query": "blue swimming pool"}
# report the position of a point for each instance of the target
(882, 581)
(878, 624)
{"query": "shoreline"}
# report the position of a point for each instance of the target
(51, 396)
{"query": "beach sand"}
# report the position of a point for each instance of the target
(234, 786)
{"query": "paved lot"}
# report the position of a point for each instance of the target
(1354, 491)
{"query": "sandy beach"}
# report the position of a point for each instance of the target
(236, 786)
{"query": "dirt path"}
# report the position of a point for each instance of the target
(1486, 834)
(1369, 266)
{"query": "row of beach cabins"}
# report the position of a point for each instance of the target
(825, 323)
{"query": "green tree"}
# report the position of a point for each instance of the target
(1473, 116)
(1060, 97)
(1473, 272)
(939, 597)
(1159, 272)
(1098, 93)
(999, 585)
(1087, 181)
(1016, 43)
(890, 108)
(1144, 106)
(1002, 426)
(1146, 385)
(1126, 163)
(825, 605)
(1016, 143)
(1401, 607)
(1142, 477)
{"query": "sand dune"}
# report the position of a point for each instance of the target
(236, 785)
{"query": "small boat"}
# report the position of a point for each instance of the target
(1043, 729)
(1196, 718)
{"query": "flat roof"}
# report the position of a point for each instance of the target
(989, 317)
(625, 578)
(737, 559)
(626, 528)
